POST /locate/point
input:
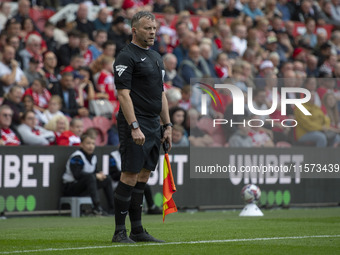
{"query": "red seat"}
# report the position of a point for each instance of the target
(87, 123)
(102, 124)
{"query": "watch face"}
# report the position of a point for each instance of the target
(134, 125)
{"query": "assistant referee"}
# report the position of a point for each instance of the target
(139, 74)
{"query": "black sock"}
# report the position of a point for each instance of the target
(122, 198)
(148, 196)
(135, 210)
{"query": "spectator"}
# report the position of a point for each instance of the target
(109, 50)
(178, 116)
(275, 59)
(50, 70)
(260, 137)
(27, 29)
(265, 68)
(185, 100)
(76, 62)
(284, 9)
(239, 39)
(10, 73)
(165, 26)
(335, 10)
(3, 39)
(262, 30)
(66, 91)
(31, 133)
(182, 29)
(13, 27)
(84, 87)
(207, 55)
(194, 66)
(28, 102)
(14, 41)
(60, 32)
(310, 35)
(330, 103)
(227, 47)
(181, 51)
(178, 137)
(230, 10)
(197, 138)
(23, 10)
(335, 41)
(33, 72)
(41, 96)
(32, 50)
(72, 137)
(97, 47)
(260, 102)
(118, 33)
(252, 10)
(68, 50)
(82, 176)
(324, 52)
(223, 67)
(83, 24)
(312, 128)
(241, 138)
(13, 100)
(336, 75)
(7, 136)
(271, 10)
(312, 66)
(84, 49)
(53, 109)
(171, 76)
(48, 37)
(58, 124)
(173, 97)
(305, 11)
(326, 14)
(105, 82)
(100, 23)
(5, 14)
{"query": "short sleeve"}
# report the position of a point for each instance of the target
(123, 69)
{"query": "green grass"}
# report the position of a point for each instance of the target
(63, 233)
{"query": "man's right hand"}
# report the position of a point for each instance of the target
(14, 63)
(138, 136)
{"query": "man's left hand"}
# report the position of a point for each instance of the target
(100, 176)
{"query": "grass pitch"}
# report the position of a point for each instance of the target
(293, 231)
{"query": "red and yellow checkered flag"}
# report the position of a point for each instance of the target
(169, 187)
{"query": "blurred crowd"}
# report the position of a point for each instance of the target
(56, 80)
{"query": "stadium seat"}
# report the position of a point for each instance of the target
(87, 123)
(75, 204)
(102, 124)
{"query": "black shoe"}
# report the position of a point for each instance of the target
(98, 211)
(144, 237)
(155, 210)
(121, 237)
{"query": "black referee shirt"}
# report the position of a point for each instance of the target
(142, 72)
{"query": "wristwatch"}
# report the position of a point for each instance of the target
(134, 125)
(168, 125)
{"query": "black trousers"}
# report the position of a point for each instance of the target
(88, 185)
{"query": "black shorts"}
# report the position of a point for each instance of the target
(135, 157)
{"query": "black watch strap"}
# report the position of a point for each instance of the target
(168, 125)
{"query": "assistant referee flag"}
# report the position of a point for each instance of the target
(169, 187)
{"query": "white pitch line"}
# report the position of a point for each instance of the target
(173, 243)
